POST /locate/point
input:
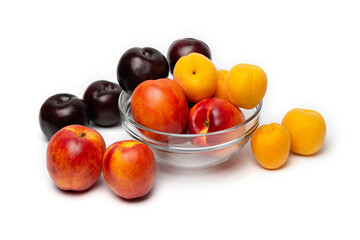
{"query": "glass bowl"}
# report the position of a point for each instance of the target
(183, 151)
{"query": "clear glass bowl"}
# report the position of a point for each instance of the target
(182, 151)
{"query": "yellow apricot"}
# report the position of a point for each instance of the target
(246, 85)
(270, 145)
(307, 130)
(197, 76)
(221, 91)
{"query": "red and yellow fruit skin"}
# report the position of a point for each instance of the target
(74, 156)
(212, 115)
(129, 168)
(307, 129)
(270, 145)
(160, 105)
(246, 85)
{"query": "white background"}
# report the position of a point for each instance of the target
(310, 52)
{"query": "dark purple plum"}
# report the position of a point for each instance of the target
(183, 47)
(139, 64)
(102, 98)
(61, 110)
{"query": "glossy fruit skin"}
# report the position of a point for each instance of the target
(270, 145)
(212, 115)
(160, 105)
(129, 168)
(183, 47)
(307, 129)
(246, 85)
(102, 99)
(197, 76)
(74, 157)
(61, 110)
(139, 64)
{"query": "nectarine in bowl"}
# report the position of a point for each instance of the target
(182, 150)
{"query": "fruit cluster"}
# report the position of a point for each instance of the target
(199, 99)
(76, 155)
(99, 104)
(302, 131)
(215, 97)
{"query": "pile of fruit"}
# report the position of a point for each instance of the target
(199, 99)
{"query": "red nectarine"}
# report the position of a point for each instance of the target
(211, 115)
(129, 168)
(160, 105)
(74, 156)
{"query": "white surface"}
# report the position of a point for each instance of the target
(310, 52)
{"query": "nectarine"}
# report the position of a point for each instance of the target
(74, 155)
(129, 168)
(160, 105)
(211, 115)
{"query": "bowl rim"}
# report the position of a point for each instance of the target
(182, 135)
(198, 149)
